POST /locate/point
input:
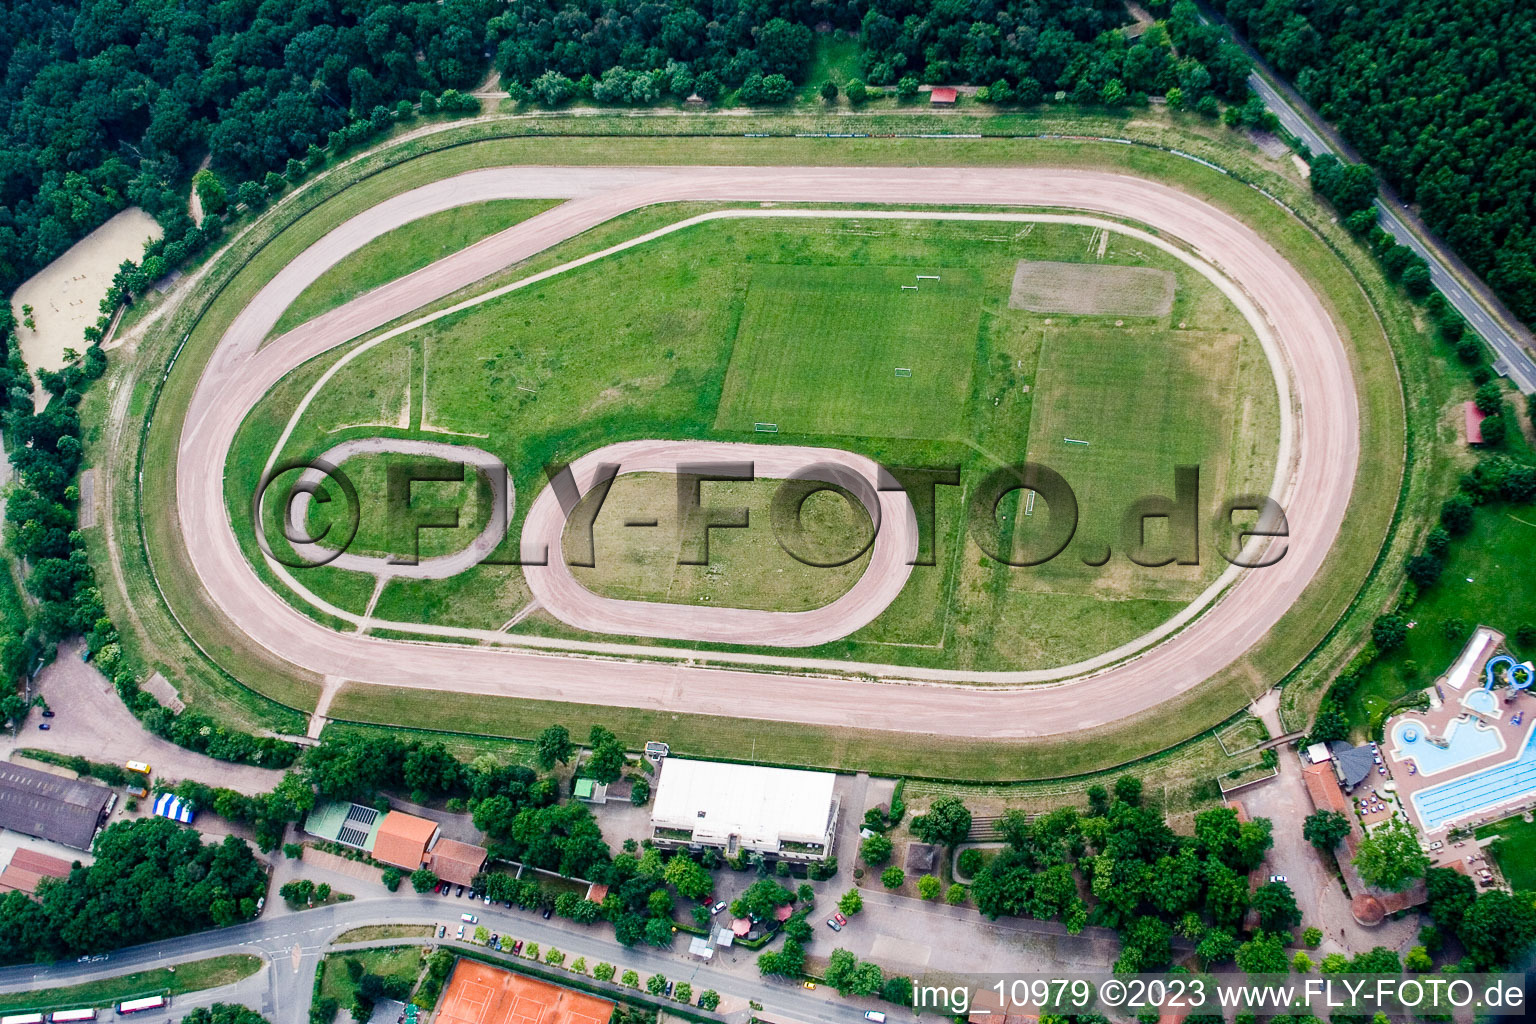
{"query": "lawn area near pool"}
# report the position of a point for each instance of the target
(1515, 850)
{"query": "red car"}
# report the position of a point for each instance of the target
(839, 918)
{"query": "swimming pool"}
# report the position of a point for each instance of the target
(1482, 700)
(1483, 789)
(1464, 742)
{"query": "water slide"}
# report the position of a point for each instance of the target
(1520, 676)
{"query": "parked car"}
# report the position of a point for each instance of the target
(487, 900)
(47, 712)
(460, 891)
(548, 912)
(495, 939)
(442, 930)
(810, 985)
(839, 918)
(517, 947)
(718, 907)
(1278, 878)
(461, 931)
(874, 1015)
(834, 925)
(669, 989)
(447, 888)
(44, 726)
(469, 918)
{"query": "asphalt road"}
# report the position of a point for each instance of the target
(293, 945)
(1316, 477)
(1513, 360)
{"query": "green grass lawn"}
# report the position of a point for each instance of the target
(405, 249)
(747, 567)
(189, 977)
(803, 324)
(1496, 558)
(819, 349)
(402, 962)
(383, 525)
(1515, 850)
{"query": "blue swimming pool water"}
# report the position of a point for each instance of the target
(1481, 700)
(1466, 743)
(1472, 793)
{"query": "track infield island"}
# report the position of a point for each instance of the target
(1315, 473)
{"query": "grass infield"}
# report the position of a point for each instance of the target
(803, 324)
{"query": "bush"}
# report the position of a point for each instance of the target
(391, 879)
(1312, 937)
(893, 877)
(929, 887)
(1389, 632)
(857, 92)
(955, 895)
(1456, 514)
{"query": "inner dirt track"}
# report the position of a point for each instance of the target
(241, 370)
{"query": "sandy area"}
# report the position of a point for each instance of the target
(66, 294)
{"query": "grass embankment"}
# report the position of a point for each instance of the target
(1515, 850)
(790, 744)
(1362, 304)
(191, 977)
(803, 324)
(374, 932)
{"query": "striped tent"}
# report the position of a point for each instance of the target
(168, 805)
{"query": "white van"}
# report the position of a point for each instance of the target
(874, 1015)
(468, 918)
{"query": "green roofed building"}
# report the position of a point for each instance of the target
(349, 824)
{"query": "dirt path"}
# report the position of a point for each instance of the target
(241, 371)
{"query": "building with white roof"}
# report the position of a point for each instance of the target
(778, 812)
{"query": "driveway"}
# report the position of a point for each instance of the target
(1284, 801)
(93, 722)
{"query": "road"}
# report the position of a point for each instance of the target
(293, 944)
(1289, 319)
(1513, 360)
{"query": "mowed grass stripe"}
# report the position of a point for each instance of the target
(818, 349)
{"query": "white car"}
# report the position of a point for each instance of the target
(718, 907)
(469, 918)
(1278, 878)
(874, 1015)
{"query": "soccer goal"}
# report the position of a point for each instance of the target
(766, 428)
(903, 371)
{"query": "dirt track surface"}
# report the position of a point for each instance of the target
(890, 563)
(241, 371)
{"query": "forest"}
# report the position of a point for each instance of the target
(1435, 94)
(152, 879)
(107, 103)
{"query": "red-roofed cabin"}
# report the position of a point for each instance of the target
(1475, 417)
(944, 96)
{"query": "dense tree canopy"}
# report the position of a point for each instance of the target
(152, 879)
(1436, 95)
(105, 102)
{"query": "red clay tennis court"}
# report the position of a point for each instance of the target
(481, 994)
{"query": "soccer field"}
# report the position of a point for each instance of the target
(819, 350)
(1116, 411)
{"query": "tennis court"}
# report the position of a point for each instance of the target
(481, 994)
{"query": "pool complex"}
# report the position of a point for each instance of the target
(1464, 742)
(1483, 789)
